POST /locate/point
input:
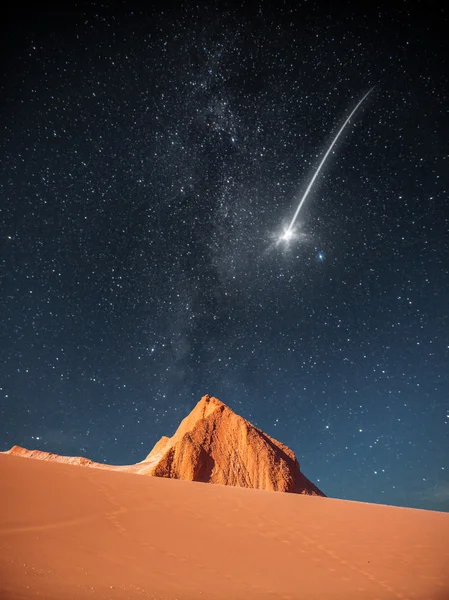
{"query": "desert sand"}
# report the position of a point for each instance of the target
(67, 532)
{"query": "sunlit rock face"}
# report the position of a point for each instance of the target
(215, 445)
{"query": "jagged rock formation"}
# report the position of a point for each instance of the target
(213, 445)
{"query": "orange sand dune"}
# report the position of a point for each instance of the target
(67, 532)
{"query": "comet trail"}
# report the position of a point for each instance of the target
(288, 233)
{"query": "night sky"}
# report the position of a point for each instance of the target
(150, 160)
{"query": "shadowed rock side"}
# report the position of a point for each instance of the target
(212, 445)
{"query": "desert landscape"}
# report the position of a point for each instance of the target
(243, 198)
(68, 531)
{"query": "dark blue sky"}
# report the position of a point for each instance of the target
(148, 163)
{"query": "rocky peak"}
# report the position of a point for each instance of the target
(215, 445)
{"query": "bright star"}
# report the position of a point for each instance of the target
(287, 235)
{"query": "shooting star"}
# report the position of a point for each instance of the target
(289, 232)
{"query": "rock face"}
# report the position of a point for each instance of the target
(213, 445)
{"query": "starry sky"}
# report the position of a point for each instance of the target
(150, 159)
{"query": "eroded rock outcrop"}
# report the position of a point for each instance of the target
(215, 445)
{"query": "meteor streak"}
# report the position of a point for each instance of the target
(289, 233)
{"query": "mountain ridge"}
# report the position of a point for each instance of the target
(211, 445)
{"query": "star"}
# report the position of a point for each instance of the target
(287, 235)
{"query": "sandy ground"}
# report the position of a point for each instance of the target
(68, 532)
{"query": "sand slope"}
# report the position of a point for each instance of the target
(69, 532)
